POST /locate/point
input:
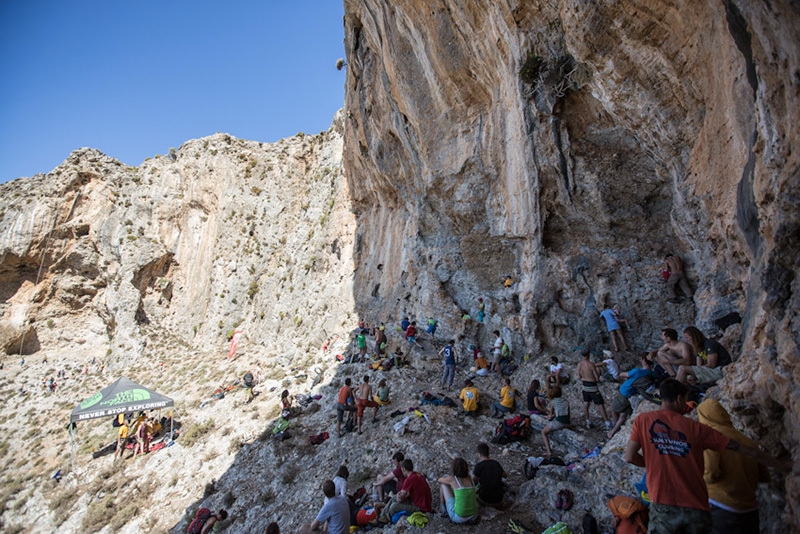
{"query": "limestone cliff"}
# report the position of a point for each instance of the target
(569, 145)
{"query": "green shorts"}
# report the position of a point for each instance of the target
(666, 519)
(621, 404)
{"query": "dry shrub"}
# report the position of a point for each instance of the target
(123, 516)
(99, 514)
(195, 432)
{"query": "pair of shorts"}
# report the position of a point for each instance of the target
(341, 408)
(365, 403)
(665, 518)
(555, 425)
(621, 404)
(705, 375)
(593, 396)
(451, 511)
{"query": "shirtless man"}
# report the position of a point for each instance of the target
(590, 376)
(674, 353)
(365, 401)
(674, 265)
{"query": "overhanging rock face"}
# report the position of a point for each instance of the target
(569, 146)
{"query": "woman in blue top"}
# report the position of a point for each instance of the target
(457, 493)
(614, 329)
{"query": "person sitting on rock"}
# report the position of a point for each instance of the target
(336, 512)
(414, 496)
(558, 416)
(389, 482)
(469, 396)
(558, 376)
(457, 493)
(537, 403)
(481, 365)
(507, 398)
(710, 355)
(382, 397)
(673, 353)
(488, 475)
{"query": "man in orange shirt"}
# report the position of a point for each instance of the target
(344, 403)
(672, 448)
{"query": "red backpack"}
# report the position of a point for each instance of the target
(631, 515)
(199, 521)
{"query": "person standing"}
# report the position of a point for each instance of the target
(590, 376)
(122, 438)
(674, 265)
(450, 361)
(672, 448)
(365, 401)
(481, 310)
(497, 352)
(345, 402)
(731, 478)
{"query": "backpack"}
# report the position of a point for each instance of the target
(199, 521)
(630, 515)
(590, 524)
(517, 428)
(248, 380)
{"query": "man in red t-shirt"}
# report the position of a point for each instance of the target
(672, 452)
(414, 496)
(345, 402)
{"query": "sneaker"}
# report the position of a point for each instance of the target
(608, 425)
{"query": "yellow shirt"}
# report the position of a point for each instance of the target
(470, 397)
(507, 396)
(123, 431)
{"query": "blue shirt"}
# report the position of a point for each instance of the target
(611, 321)
(449, 355)
(337, 513)
(633, 376)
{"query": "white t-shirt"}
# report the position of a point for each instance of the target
(498, 345)
(613, 370)
(556, 368)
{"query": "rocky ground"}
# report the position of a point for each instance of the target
(225, 456)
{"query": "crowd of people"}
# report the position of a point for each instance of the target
(701, 476)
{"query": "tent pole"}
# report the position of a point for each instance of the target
(73, 444)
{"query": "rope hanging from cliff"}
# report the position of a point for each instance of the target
(41, 263)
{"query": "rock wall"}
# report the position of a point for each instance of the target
(569, 145)
(108, 261)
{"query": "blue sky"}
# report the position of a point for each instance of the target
(136, 78)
